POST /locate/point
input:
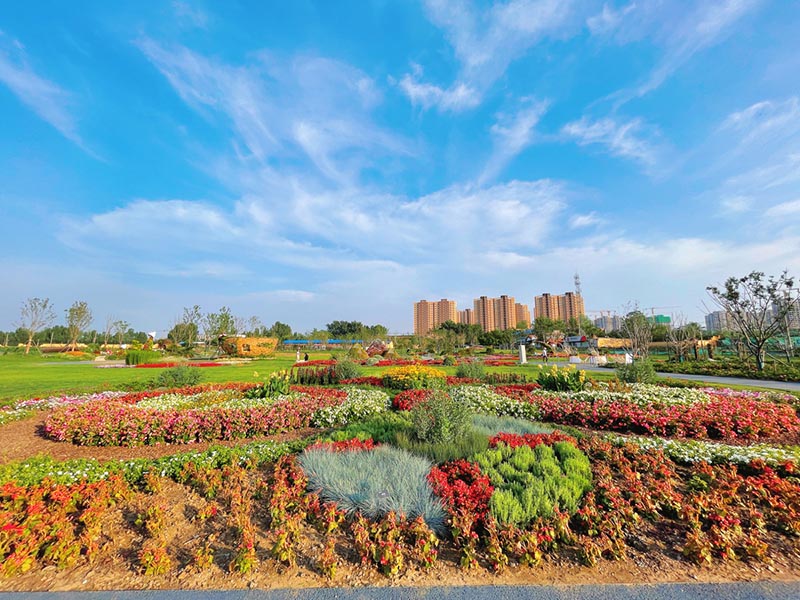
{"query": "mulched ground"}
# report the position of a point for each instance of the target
(24, 439)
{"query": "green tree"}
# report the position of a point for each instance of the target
(639, 330)
(344, 329)
(279, 330)
(758, 306)
(35, 315)
(79, 317)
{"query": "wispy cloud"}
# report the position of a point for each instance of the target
(485, 43)
(784, 209)
(276, 106)
(511, 134)
(47, 99)
(626, 139)
(585, 220)
(189, 15)
(681, 31)
(765, 118)
(608, 19)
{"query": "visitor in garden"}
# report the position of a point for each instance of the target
(544, 355)
(305, 357)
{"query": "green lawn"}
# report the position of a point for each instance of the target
(23, 377)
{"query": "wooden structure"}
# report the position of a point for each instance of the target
(249, 346)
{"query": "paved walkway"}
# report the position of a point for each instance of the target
(693, 591)
(764, 383)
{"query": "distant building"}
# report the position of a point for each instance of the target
(523, 313)
(466, 316)
(718, 321)
(660, 320)
(505, 312)
(484, 313)
(608, 323)
(792, 319)
(429, 315)
(559, 307)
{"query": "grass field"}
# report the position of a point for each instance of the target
(23, 377)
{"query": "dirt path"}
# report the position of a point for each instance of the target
(24, 439)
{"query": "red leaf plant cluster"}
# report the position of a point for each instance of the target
(720, 418)
(166, 365)
(53, 524)
(353, 445)
(462, 486)
(370, 380)
(408, 399)
(134, 397)
(530, 439)
(314, 363)
(452, 380)
(501, 362)
(117, 424)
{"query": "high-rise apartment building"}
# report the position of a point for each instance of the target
(546, 305)
(559, 308)
(467, 316)
(608, 323)
(523, 313)
(484, 313)
(505, 312)
(429, 315)
(718, 321)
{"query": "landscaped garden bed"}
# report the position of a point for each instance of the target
(418, 480)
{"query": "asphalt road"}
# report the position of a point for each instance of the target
(676, 591)
(774, 385)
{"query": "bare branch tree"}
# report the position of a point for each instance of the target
(36, 314)
(638, 330)
(758, 306)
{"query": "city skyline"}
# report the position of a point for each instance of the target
(308, 162)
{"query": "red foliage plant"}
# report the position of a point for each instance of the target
(353, 445)
(410, 398)
(462, 486)
(530, 439)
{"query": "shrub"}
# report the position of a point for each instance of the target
(181, 376)
(506, 378)
(357, 352)
(440, 418)
(374, 360)
(140, 357)
(639, 371)
(374, 482)
(471, 370)
(490, 425)
(448, 361)
(414, 377)
(530, 482)
(381, 428)
(464, 446)
(346, 369)
(567, 379)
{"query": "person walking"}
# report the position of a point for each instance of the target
(544, 355)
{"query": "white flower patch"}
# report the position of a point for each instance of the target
(361, 404)
(483, 399)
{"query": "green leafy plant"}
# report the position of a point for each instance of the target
(440, 418)
(639, 371)
(464, 446)
(176, 377)
(346, 369)
(566, 379)
(531, 482)
(141, 357)
(471, 370)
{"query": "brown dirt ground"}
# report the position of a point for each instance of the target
(24, 439)
(653, 560)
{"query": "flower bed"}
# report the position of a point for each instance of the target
(120, 424)
(369, 380)
(408, 399)
(166, 365)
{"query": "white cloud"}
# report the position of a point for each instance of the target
(511, 134)
(736, 204)
(279, 107)
(784, 209)
(585, 220)
(626, 139)
(190, 16)
(47, 99)
(485, 43)
(775, 120)
(608, 19)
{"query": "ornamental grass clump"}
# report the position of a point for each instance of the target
(471, 370)
(440, 418)
(374, 483)
(176, 377)
(533, 482)
(490, 425)
(414, 377)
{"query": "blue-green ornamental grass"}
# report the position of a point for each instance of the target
(490, 425)
(374, 482)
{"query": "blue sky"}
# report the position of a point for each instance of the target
(310, 161)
